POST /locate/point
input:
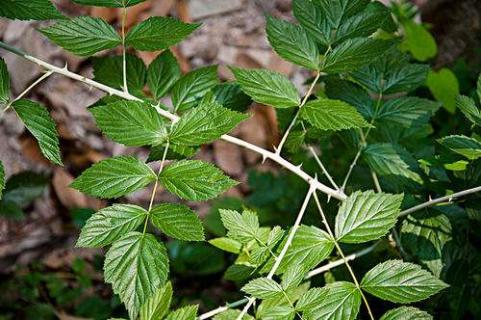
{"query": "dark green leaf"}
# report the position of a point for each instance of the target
(83, 36)
(469, 109)
(109, 3)
(38, 121)
(185, 313)
(131, 123)
(114, 177)
(137, 266)
(195, 180)
(4, 84)
(231, 96)
(267, 87)
(175, 152)
(163, 72)
(292, 43)
(29, 10)
(178, 221)
(311, 18)
(158, 33)
(108, 70)
(465, 146)
(2, 179)
(158, 305)
(407, 111)
(406, 313)
(21, 189)
(401, 282)
(110, 224)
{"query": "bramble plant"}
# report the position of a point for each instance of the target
(360, 99)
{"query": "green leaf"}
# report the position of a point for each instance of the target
(328, 114)
(137, 266)
(406, 313)
(178, 221)
(189, 89)
(407, 111)
(465, 146)
(114, 177)
(292, 43)
(353, 54)
(4, 84)
(336, 301)
(401, 282)
(158, 33)
(231, 96)
(243, 228)
(185, 313)
(227, 244)
(263, 288)
(83, 36)
(163, 72)
(337, 11)
(158, 305)
(195, 180)
(2, 179)
(29, 10)
(131, 123)
(418, 41)
(204, 124)
(175, 152)
(110, 224)
(389, 159)
(22, 188)
(366, 216)
(108, 70)
(38, 121)
(469, 109)
(109, 3)
(267, 87)
(445, 87)
(313, 20)
(232, 314)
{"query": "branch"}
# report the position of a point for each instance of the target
(338, 194)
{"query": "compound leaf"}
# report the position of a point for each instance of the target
(263, 288)
(366, 216)
(137, 266)
(401, 282)
(163, 72)
(83, 36)
(29, 10)
(292, 43)
(195, 180)
(158, 33)
(109, 3)
(178, 221)
(38, 121)
(328, 114)
(465, 146)
(114, 177)
(406, 313)
(131, 123)
(204, 124)
(267, 87)
(158, 305)
(110, 224)
(4, 84)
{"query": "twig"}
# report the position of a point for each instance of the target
(124, 58)
(323, 168)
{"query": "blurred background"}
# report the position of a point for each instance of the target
(42, 275)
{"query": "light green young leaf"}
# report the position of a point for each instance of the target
(267, 87)
(336, 301)
(158, 305)
(114, 177)
(401, 282)
(109, 3)
(2, 179)
(390, 159)
(263, 288)
(110, 224)
(158, 33)
(418, 41)
(227, 244)
(406, 313)
(352, 54)
(444, 86)
(204, 124)
(232, 314)
(313, 20)
(465, 146)
(137, 266)
(407, 111)
(4, 84)
(195, 180)
(328, 114)
(189, 89)
(185, 313)
(83, 36)
(367, 216)
(29, 10)
(38, 121)
(178, 221)
(131, 123)
(469, 109)
(108, 70)
(292, 43)
(163, 72)
(243, 228)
